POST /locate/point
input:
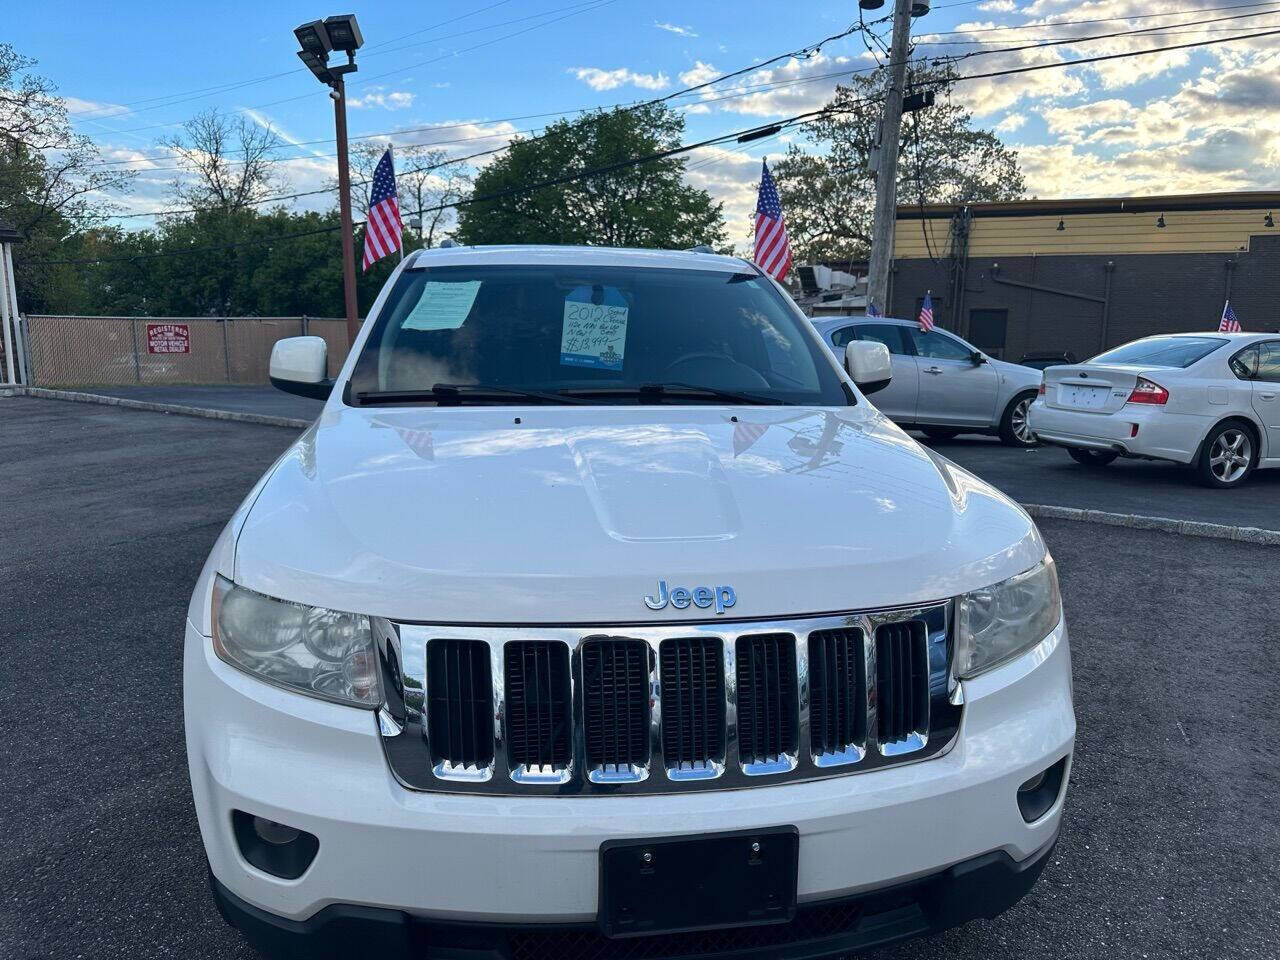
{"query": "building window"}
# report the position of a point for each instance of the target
(987, 329)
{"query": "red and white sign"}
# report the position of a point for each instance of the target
(168, 338)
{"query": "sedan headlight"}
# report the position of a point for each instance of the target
(1001, 621)
(322, 653)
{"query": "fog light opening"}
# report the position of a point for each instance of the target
(276, 834)
(275, 848)
(1037, 795)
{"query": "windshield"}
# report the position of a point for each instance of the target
(511, 334)
(1160, 352)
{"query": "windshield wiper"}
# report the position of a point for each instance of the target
(461, 393)
(658, 392)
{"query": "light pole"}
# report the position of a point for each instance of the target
(317, 39)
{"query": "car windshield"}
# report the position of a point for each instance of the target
(1160, 352)
(575, 334)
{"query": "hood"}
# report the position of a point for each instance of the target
(573, 514)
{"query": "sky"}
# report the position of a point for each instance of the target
(468, 75)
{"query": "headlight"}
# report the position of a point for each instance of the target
(1001, 621)
(319, 652)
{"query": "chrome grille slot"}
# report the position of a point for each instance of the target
(692, 670)
(615, 706)
(538, 706)
(459, 707)
(837, 696)
(767, 719)
(656, 707)
(902, 685)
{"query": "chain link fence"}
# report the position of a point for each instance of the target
(119, 351)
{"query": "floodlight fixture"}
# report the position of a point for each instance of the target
(344, 33)
(316, 65)
(314, 39)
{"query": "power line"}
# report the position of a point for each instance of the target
(791, 121)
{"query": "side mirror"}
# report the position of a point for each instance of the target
(977, 358)
(299, 365)
(868, 364)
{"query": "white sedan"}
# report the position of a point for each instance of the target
(1209, 400)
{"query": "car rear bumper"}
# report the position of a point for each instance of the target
(983, 886)
(1135, 430)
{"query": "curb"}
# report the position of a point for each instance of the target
(264, 419)
(1186, 528)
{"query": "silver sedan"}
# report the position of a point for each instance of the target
(941, 384)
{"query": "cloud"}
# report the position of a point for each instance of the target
(386, 99)
(730, 176)
(1012, 122)
(76, 106)
(676, 29)
(699, 73)
(998, 6)
(598, 79)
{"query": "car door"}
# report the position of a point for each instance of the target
(897, 401)
(954, 391)
(1266, 393)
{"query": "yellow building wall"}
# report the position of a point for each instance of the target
(1198, 231)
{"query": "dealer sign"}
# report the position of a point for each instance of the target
(168, 338)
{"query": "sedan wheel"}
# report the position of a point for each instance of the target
(1228, 457)
(1015, 426)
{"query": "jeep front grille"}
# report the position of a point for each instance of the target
(664, 708)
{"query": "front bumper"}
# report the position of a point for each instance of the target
(1161, 435)
(320, 767)
(982, 887)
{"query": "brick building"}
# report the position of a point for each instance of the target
(1081, 275)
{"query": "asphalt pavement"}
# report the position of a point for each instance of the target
(1048, 475)
(1171, 841)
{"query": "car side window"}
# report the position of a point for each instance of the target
(1268, 368)
(842, 337)
(889, 334)
(938, 347)
(1245, 363)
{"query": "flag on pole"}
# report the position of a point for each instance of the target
(773, 249)
(1229, 322)
(873, 310)
(382, 227)
(926, 312)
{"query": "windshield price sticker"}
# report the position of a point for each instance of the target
(442, 306)
(594, 332)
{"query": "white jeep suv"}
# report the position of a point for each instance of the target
(541, 643)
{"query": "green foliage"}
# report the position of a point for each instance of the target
(642, 205)
(269, 272)
(829, 195)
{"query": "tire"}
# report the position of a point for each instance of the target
(1015, 429)
(1227, 456)
(939, 433)
(1091, 458)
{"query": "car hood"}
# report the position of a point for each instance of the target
(573, 514)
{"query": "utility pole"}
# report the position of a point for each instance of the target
(887, 167)
(344, 209)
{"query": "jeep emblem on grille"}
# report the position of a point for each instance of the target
(722, 598)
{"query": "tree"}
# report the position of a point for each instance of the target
(829, 196)
(230, 158)
(640, 205)
(423, 181)
(52, 181)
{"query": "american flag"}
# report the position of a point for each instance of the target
(926, 312)
(773, 249)
(1229, 322)
(383, 226)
